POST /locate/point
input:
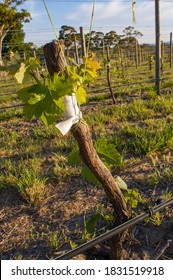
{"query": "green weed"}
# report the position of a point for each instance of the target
(138, 111)
(32, 186)
(156, 219)
(142, 141)
(25, 175)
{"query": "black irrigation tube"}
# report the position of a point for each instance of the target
(7, 93)
(117, 230)
(94, 91)
(122, 85)
(12, 106)
(7, 85)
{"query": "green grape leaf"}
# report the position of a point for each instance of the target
(60, 86)
(87, 174)
(26, 93)
(48, 119)
(39, 103)
(50, 107)
(73, 245)
(74, 157)
(108, 152)
(60, 104)
(109, 217)
(32, 63)
(31, 111)
(81, 95)
(91, 73)
(35, 98)
(133, 197)
(122, 185)
(23, 74)
(90, 225)
(134, 203)
(73, 75)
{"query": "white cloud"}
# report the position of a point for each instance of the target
(118, 15)
(166, 12)
(102, 11)
(31, 4)
(32, 8)
(113, 15)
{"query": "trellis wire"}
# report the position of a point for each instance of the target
(93, 91)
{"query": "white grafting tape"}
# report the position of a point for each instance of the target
(72, 114)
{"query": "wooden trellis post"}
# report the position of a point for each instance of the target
(157, 33)
(136, 54)
(109, 77)
(82, 35)
(170, 51)
(76, 51)
(162, 54)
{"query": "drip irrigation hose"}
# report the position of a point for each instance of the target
(117, 230)
(12, 106)
(94, 91)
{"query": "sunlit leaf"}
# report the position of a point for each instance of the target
(60, 86)
(32, 63)
(39, 103)
(35, 98)
(81, 95)
(27, 92)
(92, 64)
(87, 174)
(109, 217)
(122, 185)
(108, 152)
(22, 75)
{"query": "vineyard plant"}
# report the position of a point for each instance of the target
(42, 175)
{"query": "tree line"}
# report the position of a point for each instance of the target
(98, 40)
(12, 35)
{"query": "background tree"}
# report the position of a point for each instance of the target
(99, 37)
(14, 41)
(111, 39)
(96, 40)
(90, 36)
(130, 37)
(11, 19)
(68, 34)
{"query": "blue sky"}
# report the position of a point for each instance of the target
(109, 15)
